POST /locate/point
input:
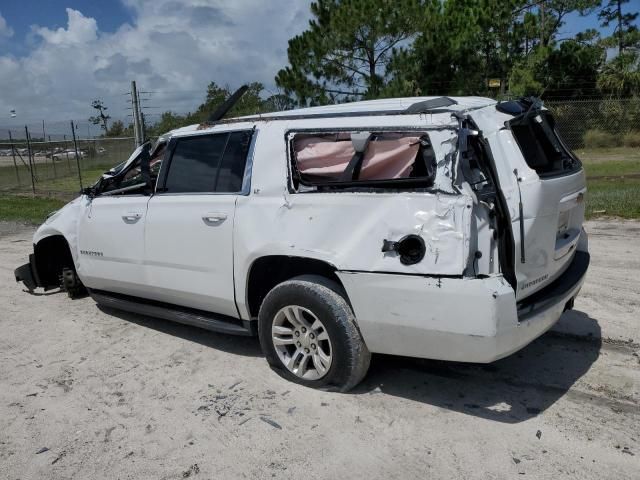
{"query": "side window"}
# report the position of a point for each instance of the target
(208, 163)
(233, 163)
(362, 159)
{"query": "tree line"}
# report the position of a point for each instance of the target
(367, 49)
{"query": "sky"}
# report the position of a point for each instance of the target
(56, 56)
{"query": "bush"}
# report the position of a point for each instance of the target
(600, 139)
(632, 139)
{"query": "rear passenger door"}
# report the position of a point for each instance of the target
(189, 227)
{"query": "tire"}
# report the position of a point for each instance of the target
(313, 300)
(71, 284)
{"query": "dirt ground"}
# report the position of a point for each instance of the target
(88, 393)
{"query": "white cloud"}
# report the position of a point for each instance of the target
(80, 30)
(5, 30)
(172, 48)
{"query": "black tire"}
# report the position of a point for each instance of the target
(327, 300)
(70, 283)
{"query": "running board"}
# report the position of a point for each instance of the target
(174, 313)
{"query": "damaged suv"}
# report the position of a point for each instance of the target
(442, 228)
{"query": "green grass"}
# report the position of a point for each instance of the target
(610, 161)
(27, 209)
(613, 197)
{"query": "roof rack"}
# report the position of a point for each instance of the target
(434, 105)
(427, 106)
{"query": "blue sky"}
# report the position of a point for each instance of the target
(22, 14)
(58, 55)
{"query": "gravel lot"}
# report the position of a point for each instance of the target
(116, 395)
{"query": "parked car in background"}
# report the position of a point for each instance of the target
(433, 227)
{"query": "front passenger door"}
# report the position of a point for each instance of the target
(189, 225)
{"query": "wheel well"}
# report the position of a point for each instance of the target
(267, 272)
(52, 255)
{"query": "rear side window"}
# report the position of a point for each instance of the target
(362, 159)
(208, 163)
(541, 145)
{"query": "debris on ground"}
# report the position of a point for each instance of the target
(192, 470)
(42, 450)
(271, 422)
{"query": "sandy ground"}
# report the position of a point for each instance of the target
(115, 395)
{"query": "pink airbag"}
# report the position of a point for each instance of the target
(389, 158)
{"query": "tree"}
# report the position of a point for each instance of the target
(621, 75)
(625, 34)
(101, 118)
(117, 129)
(251, 103)
(346, 50)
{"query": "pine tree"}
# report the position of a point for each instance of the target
(346, 50)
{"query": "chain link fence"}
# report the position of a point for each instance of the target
(599, 123)
(58, 168)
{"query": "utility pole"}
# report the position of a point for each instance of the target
(135, 109)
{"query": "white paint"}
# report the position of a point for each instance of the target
(467, 320)
(171, 253)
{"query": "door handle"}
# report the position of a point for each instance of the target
(214, 218)
(131, 217)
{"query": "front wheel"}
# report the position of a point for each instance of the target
(309, 335)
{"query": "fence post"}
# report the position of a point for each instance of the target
(53, 160)
(13, 154)
(66, 153)
(33, 180)
(75, 146)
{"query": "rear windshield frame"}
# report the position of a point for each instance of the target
(545, 126)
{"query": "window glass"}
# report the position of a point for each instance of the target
(194, 164)
(233, 163)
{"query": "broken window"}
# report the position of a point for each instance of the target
(125, 183)
(541, 145)
(357, 159)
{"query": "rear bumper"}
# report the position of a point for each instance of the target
(456, 319)
(28, 274)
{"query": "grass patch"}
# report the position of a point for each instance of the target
(610, 161)
(615, 197)
(27, 209)
(72, 184)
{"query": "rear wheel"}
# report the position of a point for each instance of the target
(309, 335)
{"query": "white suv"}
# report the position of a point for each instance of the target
(444, 228)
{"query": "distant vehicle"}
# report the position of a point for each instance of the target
(69, 153)
(444, 228)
